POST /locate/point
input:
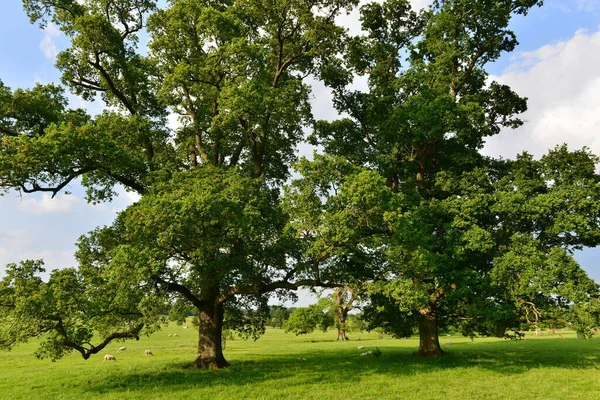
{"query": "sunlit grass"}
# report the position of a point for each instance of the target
(540, 368)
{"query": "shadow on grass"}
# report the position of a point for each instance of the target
(346, 365)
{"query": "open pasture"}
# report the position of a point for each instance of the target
(539, 368)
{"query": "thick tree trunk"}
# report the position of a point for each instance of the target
(500, 330)
(429, 344)
(342, 329)
(342, 315)
(210, 345)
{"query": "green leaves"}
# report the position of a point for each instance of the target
(29, 112)
(402, 200)
(105, 151)
(555, 198)
(234, 72)
(210, 230)
(337, 215)
(70, 311)
(306, 319)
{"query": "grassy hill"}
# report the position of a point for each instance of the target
(544, 367)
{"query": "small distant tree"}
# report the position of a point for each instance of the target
(585, 318)
(343, 300)
(355, 323)
(278, 315)
(307, 319)
(180, 311)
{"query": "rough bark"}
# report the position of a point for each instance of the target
(342, 314)
(429, 344)
(210, 345)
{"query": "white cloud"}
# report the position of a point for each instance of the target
(93, 108)
(16, 238)
(173, 121)
(48, 43)
(420, 4)
(562, 84)
(21, 244)
(53, 259)
(588, 5)
(45, 204)
(131, 197)
(352, 20)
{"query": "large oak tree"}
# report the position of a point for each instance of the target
(208, 224)
(421, 125)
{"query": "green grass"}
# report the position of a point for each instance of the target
(539, 368)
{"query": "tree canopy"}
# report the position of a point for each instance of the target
(235, 73)
(449, 233)
(401, 203)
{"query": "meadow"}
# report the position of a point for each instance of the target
(546, 367)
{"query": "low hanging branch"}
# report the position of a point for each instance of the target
(86, 352)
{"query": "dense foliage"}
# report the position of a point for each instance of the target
(401, 207)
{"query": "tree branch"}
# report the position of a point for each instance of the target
(85, 352)
(259, 287)
(37, 188)
(8, 132)
(87, 86)
(130, 183)
(111, 84)
(183, 290)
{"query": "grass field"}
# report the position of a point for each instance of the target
(540, 368)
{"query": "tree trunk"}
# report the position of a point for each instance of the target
(210, 330)
(500, 330)
(538, 332)
(342, 315)
(429, 344)
(342, 326)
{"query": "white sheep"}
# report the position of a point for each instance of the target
(361, 347)
(366, 353)
(148, 353)
(184, 327)
(122, 348)
(170, 335)
(449, 342)
(109, 357)
(175, 335)
(301, 358)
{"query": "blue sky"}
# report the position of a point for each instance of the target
(557, 66)
(23, 61)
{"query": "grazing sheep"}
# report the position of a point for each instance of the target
(366, 353)
(148, 353)
(301, 358)
(122, 348)
(184, 327)
(175, 335)
(109, 357)
(170, 335)
(449, 342)
(361, 347)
